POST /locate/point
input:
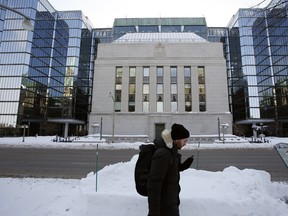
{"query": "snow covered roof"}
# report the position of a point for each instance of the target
(170, 37)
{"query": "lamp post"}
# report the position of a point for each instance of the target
(24, 131)
(113, 117)
(219, 137)
(27, 25)
(224, 127)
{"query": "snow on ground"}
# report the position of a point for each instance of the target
(111, 191)
(90, 142)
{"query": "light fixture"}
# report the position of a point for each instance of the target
(27, 25)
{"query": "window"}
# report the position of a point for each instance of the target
(160, 103)
(159, 92)
(173, 89)
(159, 73)
(118, 89)
(173, 74)
(146, 74)
(132, 89)
(160, 107)
(146, 89)
(187, 89)
(202, 90)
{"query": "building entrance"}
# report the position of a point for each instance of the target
(159, 127)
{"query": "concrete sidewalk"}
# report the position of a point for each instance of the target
(282, 149)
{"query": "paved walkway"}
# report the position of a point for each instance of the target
(282, 149)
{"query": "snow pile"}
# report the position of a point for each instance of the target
(37, 197)
(231, 192)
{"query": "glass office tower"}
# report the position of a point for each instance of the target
(46, 73)
(216, 34)
(257, 65)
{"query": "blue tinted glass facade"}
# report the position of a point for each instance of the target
(146, 28)
(45, 74)
(104, 35)
(216, 34)
(197, 29)
(170, 28)
(258, 67)
(2, 16)
(119, 31)
(15, 48)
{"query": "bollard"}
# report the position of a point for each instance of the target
(97, 154)
(197, 155)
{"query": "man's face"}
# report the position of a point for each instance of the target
(181, 142)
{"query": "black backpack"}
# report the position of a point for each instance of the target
(142, 168)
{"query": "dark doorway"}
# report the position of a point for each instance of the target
(158, 129)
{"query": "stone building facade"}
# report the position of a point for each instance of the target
(145, 82)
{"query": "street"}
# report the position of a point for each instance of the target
(77, 163)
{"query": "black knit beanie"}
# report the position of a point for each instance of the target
(178, 131)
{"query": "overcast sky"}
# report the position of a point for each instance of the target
(101, 13)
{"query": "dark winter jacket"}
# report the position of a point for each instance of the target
(163, 184)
